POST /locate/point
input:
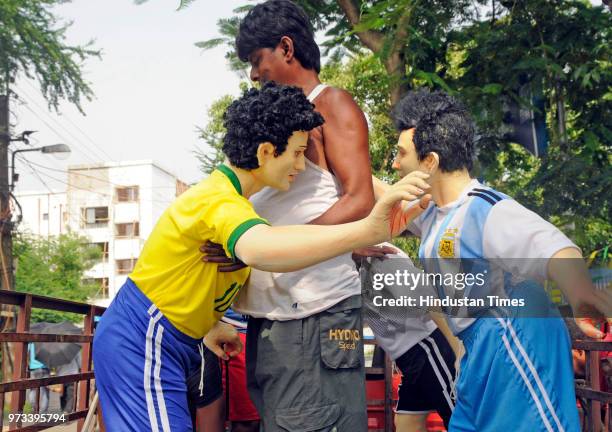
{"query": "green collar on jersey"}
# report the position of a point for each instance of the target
(231, 175)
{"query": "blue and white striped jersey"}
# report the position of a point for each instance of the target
(485, 224)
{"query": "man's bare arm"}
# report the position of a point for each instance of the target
(290, 248)
(345, 135)
(570, 272)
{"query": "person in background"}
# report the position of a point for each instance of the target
(236, 406)
(204, 391)
(38, 370)
(67, 399)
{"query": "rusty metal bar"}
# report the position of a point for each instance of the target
(44, 302)
(43, 337)
(589, 413)
(21, 360)
(600, 396)
(37, 405)
(32, 383)
(20, 339)
(589, 345)
(86, 363)
(593, 359)
(2, 396)
(388, 393)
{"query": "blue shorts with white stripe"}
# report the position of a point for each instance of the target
(141, 362)
(516, 376)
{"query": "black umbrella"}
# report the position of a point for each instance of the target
(54, 354)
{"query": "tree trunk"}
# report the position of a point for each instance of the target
(396, 68)
(395, 64)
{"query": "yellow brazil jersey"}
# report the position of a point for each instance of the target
(170, 272)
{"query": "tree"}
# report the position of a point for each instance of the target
(54, 267)
(406, 35)
(212, 135)
(228, 29)
(32, 42)
(559, 51)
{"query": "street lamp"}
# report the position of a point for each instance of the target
(55, 148)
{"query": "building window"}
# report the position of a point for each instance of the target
(125, 266)
(103, 246)
(100, 285)
(131, 229)
(45, 216)
(94, 217)
(126, 194)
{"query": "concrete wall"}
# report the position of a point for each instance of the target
(44, 213)
(95, 186)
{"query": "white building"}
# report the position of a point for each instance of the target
(115, 205)
(44, 213)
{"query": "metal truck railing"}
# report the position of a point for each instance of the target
(20, 338)
(596, 403)
(589, 392)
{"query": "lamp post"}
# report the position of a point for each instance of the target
(55, 148)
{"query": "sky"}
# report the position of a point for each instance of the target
(152, 88)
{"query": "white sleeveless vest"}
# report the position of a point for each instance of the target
(295, 295)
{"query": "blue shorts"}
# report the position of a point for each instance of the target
(141, 364)
(516, 376)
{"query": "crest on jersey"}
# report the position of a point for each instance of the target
(446, 247)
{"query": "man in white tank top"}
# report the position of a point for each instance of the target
(305, 361)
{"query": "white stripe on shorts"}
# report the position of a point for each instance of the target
(161, 403)
(523, 375)
(147, 372)
(451, 380)
(443, 384)
(535, 375)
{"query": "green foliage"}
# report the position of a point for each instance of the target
(54, 267)
(32, 42)
(228, 29)
(212, 135)
(562, 50)
(487, 54)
